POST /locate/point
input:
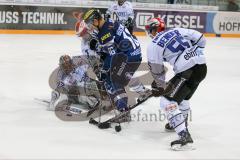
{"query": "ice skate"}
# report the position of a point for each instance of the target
(184, 143)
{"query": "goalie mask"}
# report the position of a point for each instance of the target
(66, 64)
(154, 26)
(121, 2)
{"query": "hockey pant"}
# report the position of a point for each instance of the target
(120, 75)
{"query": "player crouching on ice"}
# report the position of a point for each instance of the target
(122, 57)
(73, 84)
(183, 49)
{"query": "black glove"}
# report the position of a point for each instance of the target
(129, 22)
(156, 91)
(93, 44)
(102, 55)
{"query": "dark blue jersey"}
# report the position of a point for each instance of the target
(114, 39)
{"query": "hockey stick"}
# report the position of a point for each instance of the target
(89, 113)
(42, 100)
(107, 124)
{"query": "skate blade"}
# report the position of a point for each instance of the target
(187, 147)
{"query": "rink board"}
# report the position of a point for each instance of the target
(25, 19)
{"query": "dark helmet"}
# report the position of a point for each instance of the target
(91, 14)
(121, 2)
(66, 64)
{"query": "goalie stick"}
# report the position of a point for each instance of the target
(107, 124)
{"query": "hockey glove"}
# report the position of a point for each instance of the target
(129, 22)
(102, 55)
(93, 44)
(156, 91)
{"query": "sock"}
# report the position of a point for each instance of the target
(184, 107)
(174, 115)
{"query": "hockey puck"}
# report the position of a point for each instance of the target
(118, 128)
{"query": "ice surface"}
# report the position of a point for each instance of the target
(27, 130)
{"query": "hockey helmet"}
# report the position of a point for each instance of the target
(90, 15)
(81, 29)
(80, 26)
(154, 24)
(66, 64)
(121, 2)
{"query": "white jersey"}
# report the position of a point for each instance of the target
(182, 48)
(91, 57)
(77, 75)
(123, 12)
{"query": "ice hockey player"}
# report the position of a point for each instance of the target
(122, 56)
(73, 84)
(125, 14)
(183, 49)
(88, 41)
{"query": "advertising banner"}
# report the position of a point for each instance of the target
(19, 17)
(192, 20)
(37, 17)
(61, 18)
(226, 23)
